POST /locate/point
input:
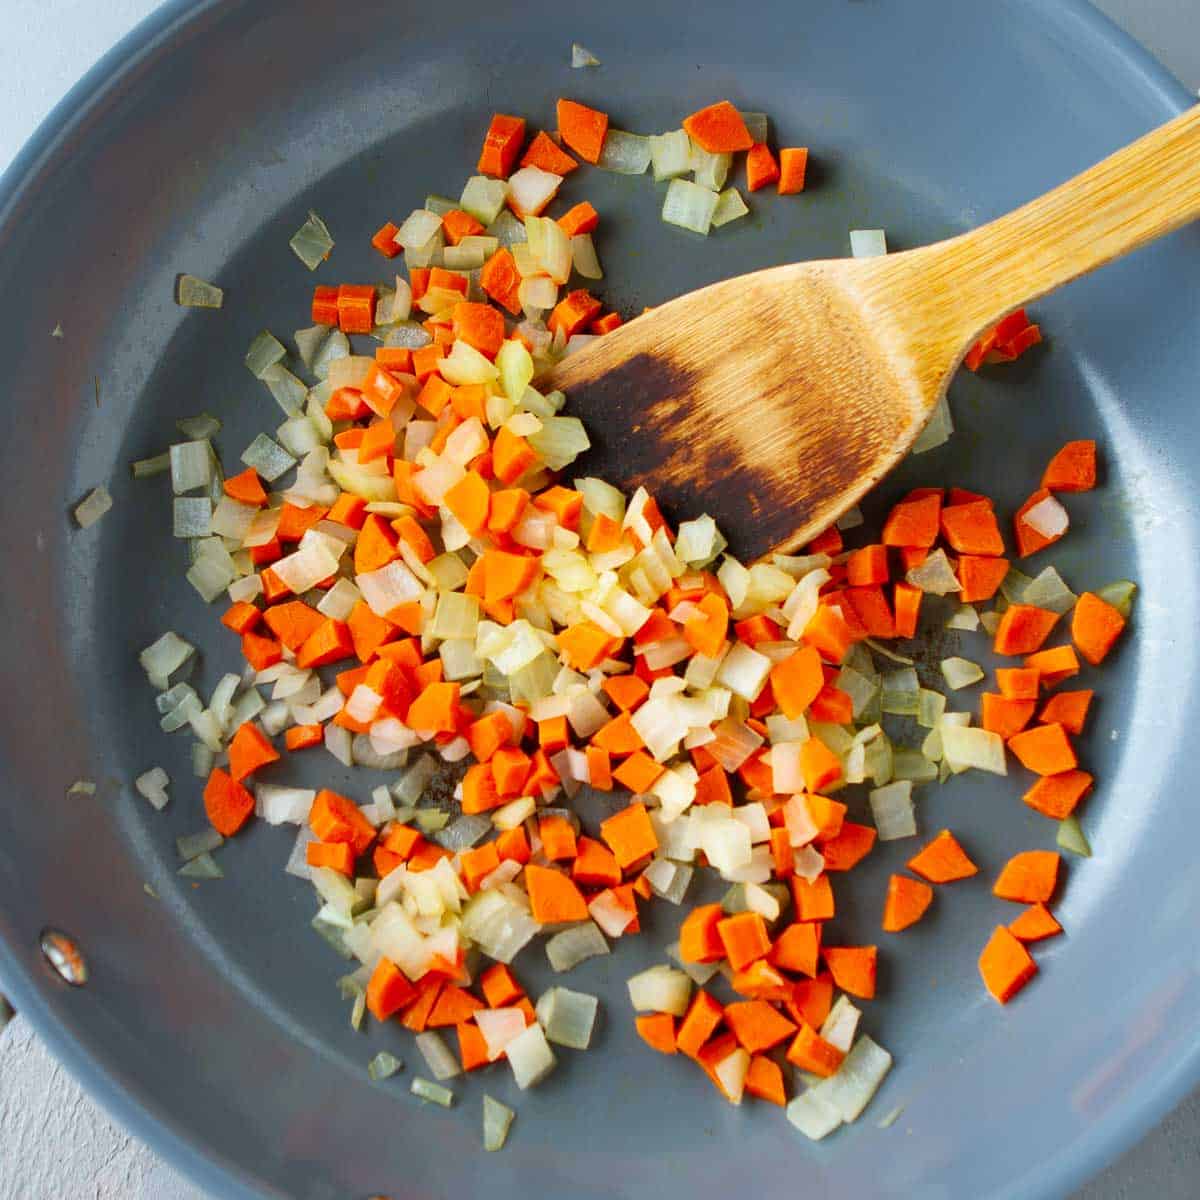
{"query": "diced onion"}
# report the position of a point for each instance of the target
(193, 292)
(439, 1058)
(963, 747)
(433, 1092)
(626, 153)
(572, 946)
(267, 458)
(730, 206)
(483, 198)
(868, 243)
(530, 189)
(152, 785)
(93, 506)
(312, 243)
(660, 989)
(581, 56)
(689, 206)
(530, 1057)
(499, 1027)
(670, 155)
(1047, 517)
(892, 809)
(934, 575)
(960, 672)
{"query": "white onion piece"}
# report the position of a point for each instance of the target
(152, 785)
(660, 989)
(530, 1057)
(960, 672)
(499, 1027)
(93, 506)
(1047, 517)
(868, 243)
(892, 810)
(530, 189)
(689, 206)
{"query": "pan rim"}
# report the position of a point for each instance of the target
(101, 1075)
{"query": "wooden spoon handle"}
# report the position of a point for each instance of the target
(1141, 192)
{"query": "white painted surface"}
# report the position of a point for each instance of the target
(55, 1144)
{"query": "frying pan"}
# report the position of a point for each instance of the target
(210, 1024)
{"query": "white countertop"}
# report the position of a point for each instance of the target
(55, 1144)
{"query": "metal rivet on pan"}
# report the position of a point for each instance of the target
(64, 956)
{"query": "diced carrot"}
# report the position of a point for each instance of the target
(606, 323)
(867, 566)
(553, 897)
(811, 1000)
(249, 750)
(757, 1025)
(477, 864)
(472, 1046)
(1005, 965)
(500, 280)
(829, 632)
(330, 642)
(435, 710)
(388, 990)
(500, 988)
(416, 1015)
(1023, 628)
(506, 509)
(1018, 683)
(980, 577)
(706, 631)
(292, 623)
(241, 617)
(764, 1079)
(1036, 923)
(468, 500)
(793, 165)
(1053, 665)
(907, 900)
(829, 541)
(480, 326)
(512, 845)
(384, 240)
(1029, 540)
(227, 804)
(618, 737)
(582, 218)
(1029, 877)
(626, 691)
(1044, 749)
(1095, 627)
(1003, 716)
(301, 737)
(703, 1016)
(719, 129)
(582, 128)
(744, 937)
(820, 766)
(943, 860)
(558, 838)
(349, 510)
(1072, 469)
(628, 833)
(245, 488)
(811, 1052)
(906, 600)
(501, 146)
(852, 968)
(324, 305)
(798, 948)
(512, 456)
(454, 1006)
(870, 606)
(972, 528)
(295, 522)
(1069, 709)
(261, 652)
(850, 847)
(573, 312)
(356, 308)
(510, 769)
(913, 522)
(1055, 796)
(761, 168)
(657, 1030)
(547, 155)
(334, 818)
(599, 766)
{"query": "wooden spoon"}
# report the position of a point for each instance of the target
(775, 400)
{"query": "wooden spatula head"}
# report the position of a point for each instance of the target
(772, 402)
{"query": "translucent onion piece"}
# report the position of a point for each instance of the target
(960, 672)
(192, 845)
(937, 429)
(670, 155)
(530, 1057)
(626, 153)
(892, 809)
(660, 989)
(1048, 590)
(963, 747)
(483, 198)
(581, 56)
(268, 458)
(193, 292)
(1072, 838)
(203, 866)
(143, 468)
(850, 1089)
(689, 206)
(934, 575)
(868, 243)
(152, 785)
(1047, 517)
(572, 946)
(530, 189)
(265, 351)
(1119, 594)
(93, 506)
(730, 206)
(312, 243)
(383, 1066)
(433, 1092)
(497, 1120)
(813, 1115)
(440, 1060)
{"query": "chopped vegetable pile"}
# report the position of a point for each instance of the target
(418, 584)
